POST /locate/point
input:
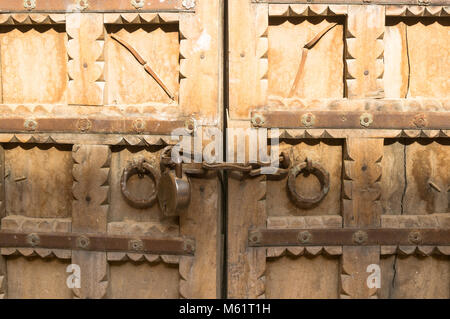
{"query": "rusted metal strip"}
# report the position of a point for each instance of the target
(348, 237)
(89, 125)
(361, 2)
(94, 5)
(94, 242)
(352, 120)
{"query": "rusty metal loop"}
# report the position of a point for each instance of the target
(317, 170)
(140, 167)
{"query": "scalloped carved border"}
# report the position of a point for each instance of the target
(31, 19)
(143, 228)
(88, 139)
(29, 224)
(302, 10)
(140, 18)
(417, 11)
(338, 133)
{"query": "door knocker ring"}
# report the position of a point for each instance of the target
(140, 167)
(317, 170)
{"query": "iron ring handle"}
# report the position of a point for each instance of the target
(317, 170)
(141, 167)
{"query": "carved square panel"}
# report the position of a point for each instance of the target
(48, 278)
(329, 156)
(415, 61)
(33, 64)
(323, 72)
(38, 181)
(416, 177)
(127, 81)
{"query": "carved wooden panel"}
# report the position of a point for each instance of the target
(26, 76)
(89, 89)
(331, 80)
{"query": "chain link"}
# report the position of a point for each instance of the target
(252, 169)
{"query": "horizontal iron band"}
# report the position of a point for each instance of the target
(352, 120)
(362, 2)
(88, 125)
(98, 242)
(349, 237)
(92, 6)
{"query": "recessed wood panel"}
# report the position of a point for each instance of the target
(144, 281)
(417, 63)
(326, 153)
(33, 64)
(39, 180)
(416, 178)
(322, 75)
(127, 81)
(415, 277)
(302, 277)
(140, 187)
(36, 278)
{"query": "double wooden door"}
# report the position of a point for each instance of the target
(94, 93)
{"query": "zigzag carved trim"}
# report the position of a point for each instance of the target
(423, 251)
(275, 252)
(156, 229)
(262, 50)
(31, 19)
(85, 59)
(140, 18)
(417, 11)
(95, 139)
(27, 224)
(302, 10)
(342, 133)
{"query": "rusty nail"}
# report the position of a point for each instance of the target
(190, 125)
(415, 237)
(83, 242)
(308, 119)
(254, 237)
(304, 237)
(420, 120)
(188, 4)
(138, 4)
(257, 120)
(366, 119)
(30, 125)
(29, 4)
(139, 125)
(33, 239)
(135, 245)
(189, 245)
(82, 4)
(360, 237)
(84, 125)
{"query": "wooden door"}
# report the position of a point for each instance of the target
(90, 93)
(359, 95)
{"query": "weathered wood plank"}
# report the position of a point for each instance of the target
(246, 209)
(3, 277)
(200, 276)
(86, 59)
(364, 56)
(248, 63)
(361, 208)
(90, 207)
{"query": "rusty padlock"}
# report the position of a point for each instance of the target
(174, 191)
